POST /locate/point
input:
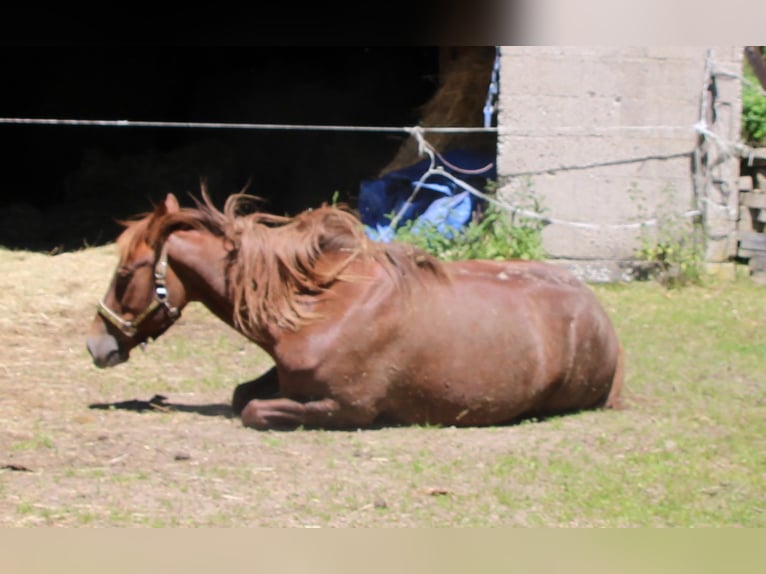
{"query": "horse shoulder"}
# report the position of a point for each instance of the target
(348, 315)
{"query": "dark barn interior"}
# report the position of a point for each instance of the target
(64, 186)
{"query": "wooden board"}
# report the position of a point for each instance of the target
(753, 200)
(751, 243)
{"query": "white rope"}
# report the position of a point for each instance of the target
(501, 130)
(424, 148)
(727, 149)
(736, 76)
(428, 149)
(594, 130)
(240, 126)
(743, 150)
(704, 165)
(551, 220)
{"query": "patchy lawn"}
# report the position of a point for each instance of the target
(86, 447)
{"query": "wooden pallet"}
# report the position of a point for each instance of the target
(751, 233)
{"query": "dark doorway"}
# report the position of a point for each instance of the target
(64, 186)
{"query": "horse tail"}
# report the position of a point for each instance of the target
(613, 400)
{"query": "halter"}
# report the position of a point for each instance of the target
(130, 328)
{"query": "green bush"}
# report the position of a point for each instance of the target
(672, 250)
(492, 234)
(753, 109)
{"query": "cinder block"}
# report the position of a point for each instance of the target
(726, 271)
(745, 183)
(582, 125)
(718, 250)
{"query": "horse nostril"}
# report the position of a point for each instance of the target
(100, 363)
(105, 351)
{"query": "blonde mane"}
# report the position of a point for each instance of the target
(276, 262)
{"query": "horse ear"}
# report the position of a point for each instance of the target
(171, 203)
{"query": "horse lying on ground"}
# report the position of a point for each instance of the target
(362, 333)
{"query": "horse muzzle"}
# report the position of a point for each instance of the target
(105, 351)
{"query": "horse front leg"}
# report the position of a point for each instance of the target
(287, 413)
(264, 387)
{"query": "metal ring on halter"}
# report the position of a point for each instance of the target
(130, 328)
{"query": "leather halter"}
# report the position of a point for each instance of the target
(130, 328)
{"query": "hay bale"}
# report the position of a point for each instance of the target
(464, 76)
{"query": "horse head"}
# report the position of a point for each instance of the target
(145, 297)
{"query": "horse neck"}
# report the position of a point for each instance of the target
(198, 259)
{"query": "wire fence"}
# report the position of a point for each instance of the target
(726, 148)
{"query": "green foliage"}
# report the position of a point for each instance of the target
(753, 116)
(677, 262)
(753, 109)
(493, 234)
(672, 248)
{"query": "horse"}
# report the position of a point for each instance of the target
(362, 333)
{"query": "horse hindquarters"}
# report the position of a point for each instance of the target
(595, 375)
(614, 398)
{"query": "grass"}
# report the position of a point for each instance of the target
(689, 449)
(696, 357)
(37, 441)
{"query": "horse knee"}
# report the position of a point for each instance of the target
(264, 387)
(243, 394)
(239, 400)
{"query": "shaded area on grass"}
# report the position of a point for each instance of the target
(160, 403)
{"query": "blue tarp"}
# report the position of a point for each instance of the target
(440, 202)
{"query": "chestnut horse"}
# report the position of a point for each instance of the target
(362, 333)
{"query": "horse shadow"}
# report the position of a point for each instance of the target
(159, 403)
(263, 387)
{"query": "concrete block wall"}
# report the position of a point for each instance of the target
(605, 137)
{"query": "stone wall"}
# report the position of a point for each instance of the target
(606, 139)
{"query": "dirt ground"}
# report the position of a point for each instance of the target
(152, 441)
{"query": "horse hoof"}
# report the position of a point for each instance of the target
(252, 417)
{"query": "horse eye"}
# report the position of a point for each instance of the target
(125, 270)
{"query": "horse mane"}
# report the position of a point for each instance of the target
(153, 227)
(275, 261)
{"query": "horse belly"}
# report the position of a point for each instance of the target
(511, 353)
(463, 369)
